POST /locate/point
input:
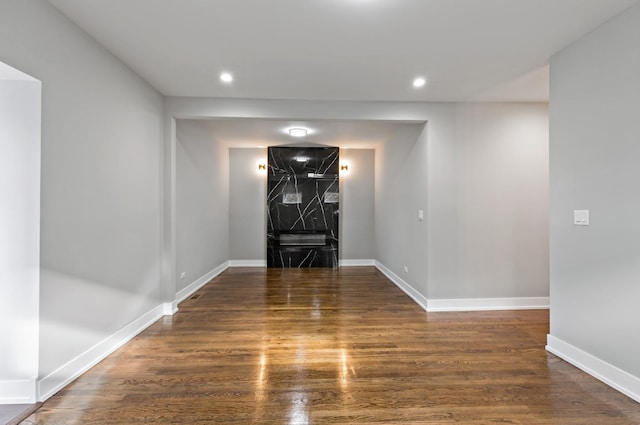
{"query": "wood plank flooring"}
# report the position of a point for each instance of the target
(319, 346)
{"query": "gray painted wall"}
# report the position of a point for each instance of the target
(480, 174)
(418, 169)
(247, 204)
(400, 191)
(489, 204)
(595, 152)
(100, 220)
(357, 206)
(202, 202)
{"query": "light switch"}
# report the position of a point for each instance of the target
(420, 215)
(581, 217)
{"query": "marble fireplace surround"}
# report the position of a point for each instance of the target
(303, 207)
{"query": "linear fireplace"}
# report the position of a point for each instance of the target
(301, 238)
(302, 207)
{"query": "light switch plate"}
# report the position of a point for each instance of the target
(581, 217)
(420, 215)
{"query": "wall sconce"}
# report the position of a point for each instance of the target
(344, 167)
(262, 167)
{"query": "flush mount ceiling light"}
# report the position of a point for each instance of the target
(226, 77)
(419, 82)
(298, 132)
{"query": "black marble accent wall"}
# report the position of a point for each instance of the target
(302, 207)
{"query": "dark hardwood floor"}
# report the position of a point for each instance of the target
(319, 346)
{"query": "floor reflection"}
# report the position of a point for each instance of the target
(299, 414)
(310, 348)
(334, 347)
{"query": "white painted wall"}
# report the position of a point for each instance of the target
(19, 235)
(100, 202)
(595, 157)
(202, 202)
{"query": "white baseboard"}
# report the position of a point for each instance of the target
(64, 375)
(183, 294)
(169, 309)
(616, 378)
(247, 263)
(18, 391)
(263, 263)
(357, 263)
(464, 304)
(483, 304)
(408, 289)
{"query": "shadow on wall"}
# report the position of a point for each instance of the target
(82, 313)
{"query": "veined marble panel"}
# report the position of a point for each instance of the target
(303, 199)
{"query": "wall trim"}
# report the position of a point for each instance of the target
(463, 304)
(484, 304)
(611, 375)
(420, 299)
(263, 263)
(65, 374)
(170, 308)
(18, 391)
(186, 292)
(357, 263)
(247, 263)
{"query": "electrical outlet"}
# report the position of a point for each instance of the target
(183, 275)
(406, 269)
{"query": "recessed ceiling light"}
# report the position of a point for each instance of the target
(419, 82)
(226, 77)
(298, 132)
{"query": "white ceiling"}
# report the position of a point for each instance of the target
(342, 49)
